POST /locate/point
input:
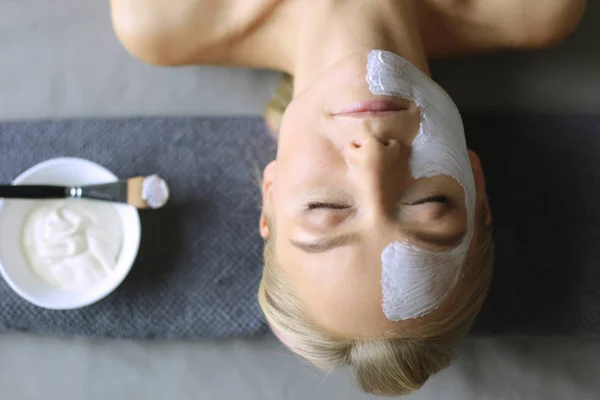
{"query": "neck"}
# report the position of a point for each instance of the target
(327, 31)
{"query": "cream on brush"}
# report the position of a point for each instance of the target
(140, 192)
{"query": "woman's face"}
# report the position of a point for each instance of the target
(341, 190)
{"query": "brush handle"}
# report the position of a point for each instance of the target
(33, 192)
(113, 192)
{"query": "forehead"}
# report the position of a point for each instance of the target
(339, 290)
(346, 299)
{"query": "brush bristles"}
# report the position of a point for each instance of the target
(134, 192)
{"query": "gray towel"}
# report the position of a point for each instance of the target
(199, 263)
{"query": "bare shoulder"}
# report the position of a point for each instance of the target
(452, 27)
(174, 32)
(541, 23)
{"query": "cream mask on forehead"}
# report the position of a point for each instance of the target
(416, 281)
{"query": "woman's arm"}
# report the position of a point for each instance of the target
(248, 33)
(179, 32)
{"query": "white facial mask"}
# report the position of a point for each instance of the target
(416, 281)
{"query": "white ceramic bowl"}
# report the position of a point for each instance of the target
(13, 263)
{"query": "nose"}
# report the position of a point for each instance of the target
(372, 151)
(374, 163)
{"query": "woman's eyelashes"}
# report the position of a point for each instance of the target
(327, 214)
(440, 199)
(426, 209)
(326, 205)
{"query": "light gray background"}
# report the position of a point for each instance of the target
(60, 59)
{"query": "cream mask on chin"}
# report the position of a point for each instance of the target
(416, 281)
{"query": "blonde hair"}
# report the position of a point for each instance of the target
(391, 364)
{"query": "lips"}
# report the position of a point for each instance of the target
(371, 107)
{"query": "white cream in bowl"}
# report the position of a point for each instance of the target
(73, 244)
(71, 256)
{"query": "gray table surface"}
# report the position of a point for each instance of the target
(60, 59)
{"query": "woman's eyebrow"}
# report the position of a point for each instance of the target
(325, 244)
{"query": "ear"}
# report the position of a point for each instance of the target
(267, 182)
(480, 185)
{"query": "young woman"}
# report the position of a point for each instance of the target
(378, 248)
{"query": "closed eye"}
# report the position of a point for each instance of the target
(340, 206)
(332, 206)
(431, 199)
